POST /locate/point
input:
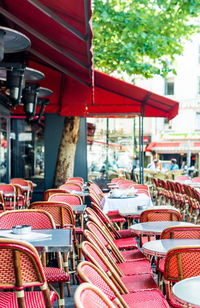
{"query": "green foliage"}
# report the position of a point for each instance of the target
(141, 36)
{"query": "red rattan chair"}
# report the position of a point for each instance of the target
(71, 199)
(125, 284)
(52, 191)
(123, 243)
(158, 215)
(120, 256)
(87, 295)
(20, 197)
(177, 232)
(124, 268)
(180, 263)
(196, 179)
(38, 219)
(21, 268)
(68, 198)
(114, 216)
(8, 192)
(71, 187)
(124, 233)
(192, 197)
(87, 272)
(94, 187)
(27, 188)
(64, 219)
(125, 184)
(158, 190)
(76, 178)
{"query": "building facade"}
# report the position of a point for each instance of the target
(180, 138)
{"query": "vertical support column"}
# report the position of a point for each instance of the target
(140, 157)
(107, 142)
(142, 150)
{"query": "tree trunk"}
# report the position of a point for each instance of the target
(66, 152)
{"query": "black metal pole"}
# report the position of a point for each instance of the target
(142, 150)
(140, 160)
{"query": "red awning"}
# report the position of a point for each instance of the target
(114, 96)
(61, 47)
(173, 147)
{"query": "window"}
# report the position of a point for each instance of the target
(111, 146)
(197, 121)
(27, 146)
(169, 86)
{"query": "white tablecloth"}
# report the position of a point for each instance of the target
(126, 206)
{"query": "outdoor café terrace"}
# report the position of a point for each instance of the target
(134, 244)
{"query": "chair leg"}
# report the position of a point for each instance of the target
(61, 302)
(73, 266)
(68, 289)
(160, 281)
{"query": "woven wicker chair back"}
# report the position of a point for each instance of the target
(61, 212)
(160, 215)
(76, 178)
(52, 191)
(71, 186)
(187, 232)
(36, 218)
(67, 198)
(181, 263)
(21, 269)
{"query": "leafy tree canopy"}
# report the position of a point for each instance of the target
(141, 36)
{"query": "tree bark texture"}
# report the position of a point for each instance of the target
(66, 152)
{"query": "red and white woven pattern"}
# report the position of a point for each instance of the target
(97, 233)
(7, 188)
(35, 219)
(54, 275)
(91, 253)
(146, 299)
(71, 186)
(160, 216)
(90, 298)
(67, 198)
(7, 274)
(135, 267)
(182, 233)
(60, 211)
(32, 299)
(93, 277)
(140, 282)
(182, 263)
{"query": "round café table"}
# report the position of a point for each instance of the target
(159, 248)
(186, 292)
(156, 227)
